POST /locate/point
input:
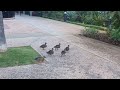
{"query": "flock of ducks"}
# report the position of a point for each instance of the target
(51, 52)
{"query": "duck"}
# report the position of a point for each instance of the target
(63, 53)
(57, 46)
(50, 52)
(39, 58)
(43, 45)
(67, 48)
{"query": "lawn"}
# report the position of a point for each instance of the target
(18, 56)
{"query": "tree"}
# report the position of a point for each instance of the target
(3, 47)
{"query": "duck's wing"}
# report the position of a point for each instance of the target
(41, 46)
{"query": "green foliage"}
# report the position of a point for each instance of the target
(91, 32)
(116, 19)
(57, 15)
(93, 17)
(71, 15)
(115, 34)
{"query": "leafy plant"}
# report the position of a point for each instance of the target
(91, 32)
(115, 34)
(116, 19)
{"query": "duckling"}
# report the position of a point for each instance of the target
(63, 53)
(67, 48)
(39, 58)
(50, 52)
(57, 46)
(43, 46)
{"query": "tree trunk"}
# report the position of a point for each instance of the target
(3, 47)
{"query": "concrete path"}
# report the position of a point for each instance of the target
(87, 58)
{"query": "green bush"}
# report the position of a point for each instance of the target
(91, 32)
(116, 19)
(71, 15)
(115, 34)
(93, 17)
(56, 15)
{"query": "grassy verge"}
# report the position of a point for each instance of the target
(90, 26)
(18, 56)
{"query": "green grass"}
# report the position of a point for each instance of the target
(18, 56)
(90, 26)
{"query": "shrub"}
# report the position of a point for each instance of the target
(115, 34)
(71, 15)
(91, 32)
(116, 19)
